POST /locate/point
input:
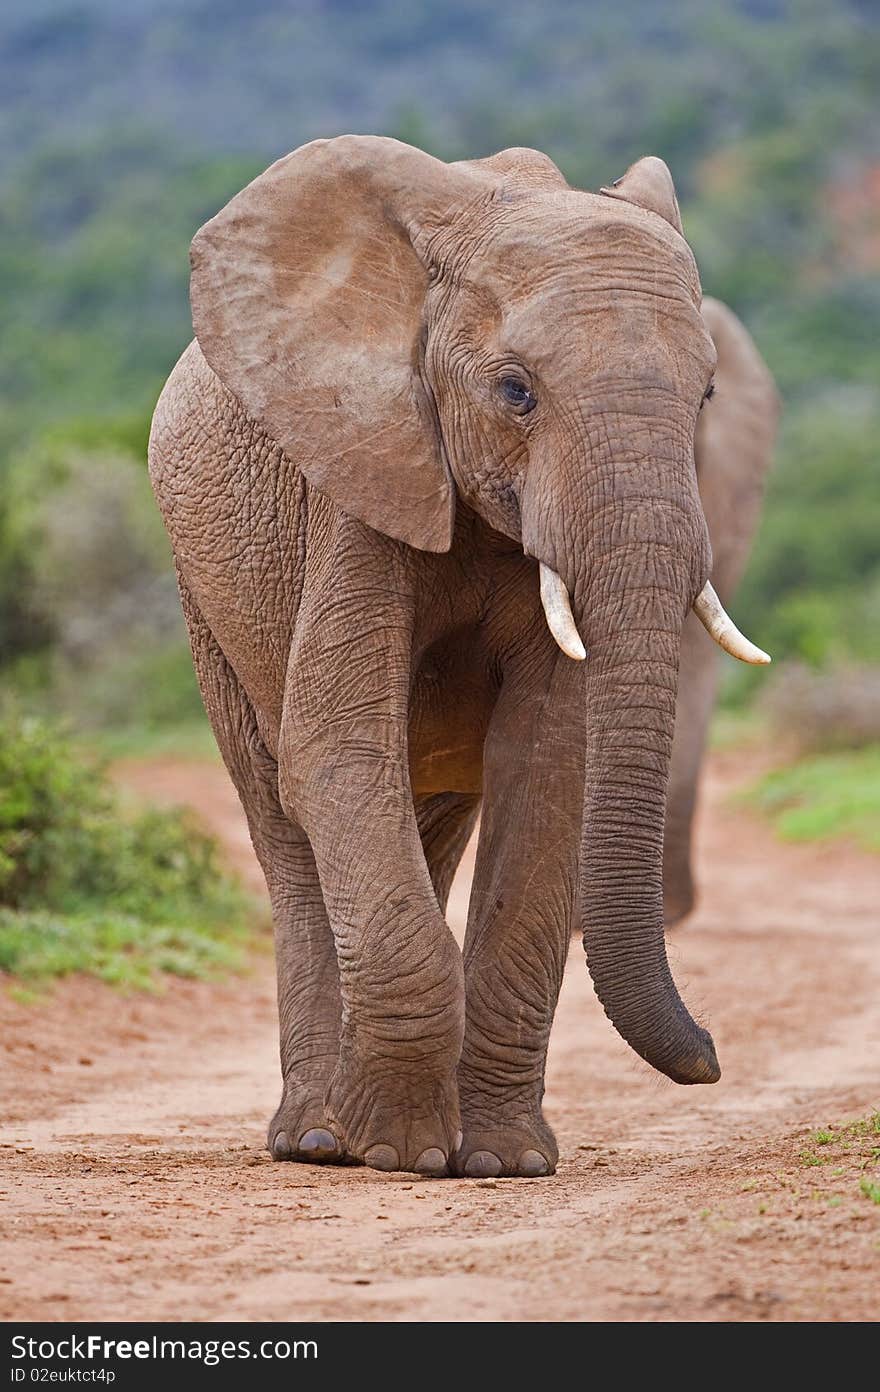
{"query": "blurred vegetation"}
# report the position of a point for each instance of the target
(827, 795)
(101, 597)
(125, 127)
(86, 886)
(821, 711)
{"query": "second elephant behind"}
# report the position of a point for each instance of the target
(734, 451)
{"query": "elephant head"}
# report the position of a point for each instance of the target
(413, 332)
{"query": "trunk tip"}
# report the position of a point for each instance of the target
(702, 1066)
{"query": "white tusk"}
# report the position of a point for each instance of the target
(557, 611)
(710, 611)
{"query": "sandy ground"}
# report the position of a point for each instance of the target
(134, 1184)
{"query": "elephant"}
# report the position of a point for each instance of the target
(734, 451)
(428, 472)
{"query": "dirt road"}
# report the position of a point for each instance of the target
(134, 1182)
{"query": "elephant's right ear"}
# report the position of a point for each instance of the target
(307, 296)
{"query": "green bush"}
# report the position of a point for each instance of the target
(87, 886)
(812, 590)
(830, 796)
(124, 688)
(111, 649)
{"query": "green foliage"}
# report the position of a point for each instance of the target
(765, 112)
(830, 795)
(124, 689)
(94, 283)
(121, 949)
(813, 587)
(87, 886)
(113, 644)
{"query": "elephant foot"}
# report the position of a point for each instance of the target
(513, 1149)
(299, 1130)
(396, 1125)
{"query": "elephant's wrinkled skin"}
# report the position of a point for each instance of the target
(412, 382)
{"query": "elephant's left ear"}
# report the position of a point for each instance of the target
(308, 298)
(648, 184)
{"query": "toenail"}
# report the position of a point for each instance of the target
(318, 1143)
(281, 1146)
(382, 1157)
(532, 1163)
(483, 1165)
(431, 1162)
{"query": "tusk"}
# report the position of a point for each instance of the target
(710, 611)
(557, 611)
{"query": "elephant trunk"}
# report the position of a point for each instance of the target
(633, 557)
(632, 677)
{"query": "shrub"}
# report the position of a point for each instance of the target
(827, 710)
(812, 589)
(95, 565)
(84, 885)
(100, 524)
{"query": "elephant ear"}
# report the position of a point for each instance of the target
(648, 184)
(307, 297)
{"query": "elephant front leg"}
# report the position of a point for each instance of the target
(308, 980)
(392, 1098)
(520, 918)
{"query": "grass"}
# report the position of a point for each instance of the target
(852, 1148)
(852, 1141)
(124, 950)
(189, 740)
(808, 1157)
(823, 1137)
(826, 796)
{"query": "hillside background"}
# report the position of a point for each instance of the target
(126, 123)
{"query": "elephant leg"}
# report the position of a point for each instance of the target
(393, 1097)
(308, 977)
(520, 918)
(445, 822)
(697, 685)
(344, 775)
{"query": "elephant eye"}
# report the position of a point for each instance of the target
(708, 394)
(517, 394)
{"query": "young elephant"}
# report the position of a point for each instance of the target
(416, 387)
